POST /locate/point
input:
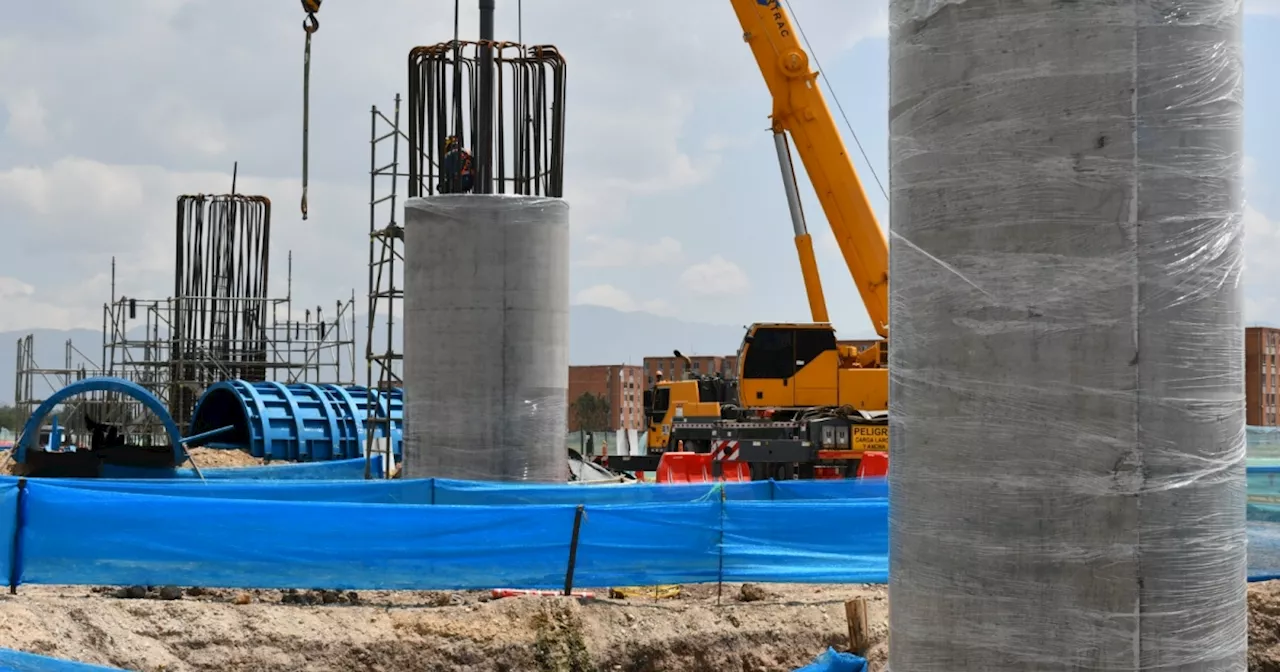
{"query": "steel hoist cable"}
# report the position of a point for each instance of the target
(309, 25)
(823, 73)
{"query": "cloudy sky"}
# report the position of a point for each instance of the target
(109, 110)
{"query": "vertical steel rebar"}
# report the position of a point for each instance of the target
(520, 103)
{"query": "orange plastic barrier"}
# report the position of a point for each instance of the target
(677, 467)
(873, 465)
(827, 473)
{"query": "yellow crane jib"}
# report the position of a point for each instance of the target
(309, 25)
(801, 111)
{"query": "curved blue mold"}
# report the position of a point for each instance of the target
(299, 422)
(100, 384)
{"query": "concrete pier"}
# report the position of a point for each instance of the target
(1067, 426)
(486, 337)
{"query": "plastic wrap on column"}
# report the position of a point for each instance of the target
(486, 337)
(299, 421)
(1067, 486)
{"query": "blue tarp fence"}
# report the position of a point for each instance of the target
(441, 534)
(387, 535)
(29, 662)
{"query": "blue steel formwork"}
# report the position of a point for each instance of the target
(299, 422)
(31, 430)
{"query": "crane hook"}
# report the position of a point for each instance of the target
(309, 25)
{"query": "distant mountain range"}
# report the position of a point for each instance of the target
(596, 336)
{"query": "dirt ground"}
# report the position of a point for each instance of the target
(747, 629)
(783, 628)
(218, 457)
(1264, 627)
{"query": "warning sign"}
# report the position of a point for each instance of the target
(871, 437)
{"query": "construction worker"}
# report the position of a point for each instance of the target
(455, 168)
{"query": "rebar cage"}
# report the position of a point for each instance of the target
(220, 289)
(527, 137)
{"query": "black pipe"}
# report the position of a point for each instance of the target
(484, 122)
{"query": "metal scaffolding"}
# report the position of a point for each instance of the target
(383, 360)
(140, 342)
(34, 383)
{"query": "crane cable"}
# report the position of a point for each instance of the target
(310, 25)
(821, 71)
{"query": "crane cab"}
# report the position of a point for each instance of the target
(796, 365)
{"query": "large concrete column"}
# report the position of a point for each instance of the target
(1067, 480)
(486, 342)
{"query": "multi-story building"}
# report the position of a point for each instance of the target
(1262, 376)
(673, 368)
(621, 384)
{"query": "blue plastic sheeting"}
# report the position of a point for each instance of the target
(1264, 548)
(337, 470)
(267, 535)
(355, 492)
(451, 492)
(78, 533)
(807, 542)
(9, 502)
(31, 430)
(649, 545)
(477, 492)
(834, 542)
(77, 536)
(300, 421)
(834, 661)
(871, 488)
(19, 661)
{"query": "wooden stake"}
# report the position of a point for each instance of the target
(855, 611)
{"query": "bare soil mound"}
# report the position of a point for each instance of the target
(205, 458)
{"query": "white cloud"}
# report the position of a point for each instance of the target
(22, 306)
(90, 165)
(77, 214)
(716, 276)
(26, 118)
(182, 126)
(11, 288)
(1262, 267)
(608, 296)
(1261, 258)
(609, 252)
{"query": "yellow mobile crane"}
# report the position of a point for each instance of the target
(804, 404)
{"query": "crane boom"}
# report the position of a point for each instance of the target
(800, 109)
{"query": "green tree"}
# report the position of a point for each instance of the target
(9, 418)
(591, 413)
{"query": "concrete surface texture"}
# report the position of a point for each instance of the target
(1067, 369)
(486, 337)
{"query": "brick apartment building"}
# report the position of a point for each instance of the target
(1261, 375)
(673, 368)
(621, 384)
